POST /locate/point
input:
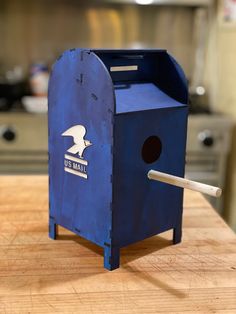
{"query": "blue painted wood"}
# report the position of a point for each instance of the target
(154, 66)
(177, 233)
(149, 97)
(52, 229)
(81, 93)
(142, 207)
(111, 257)
(98, 122)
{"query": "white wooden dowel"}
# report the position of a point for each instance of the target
(184, 183)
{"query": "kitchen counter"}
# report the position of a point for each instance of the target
(39, 275)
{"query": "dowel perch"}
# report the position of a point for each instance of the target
(184, 183)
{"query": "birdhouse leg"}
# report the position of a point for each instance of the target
(111, 257)
(52, 229)
(177, 234)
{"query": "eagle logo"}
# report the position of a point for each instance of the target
(80, 144)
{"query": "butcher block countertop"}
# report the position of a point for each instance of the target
(39, 275)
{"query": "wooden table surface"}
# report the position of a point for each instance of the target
(39, 275)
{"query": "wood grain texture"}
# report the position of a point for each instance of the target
(39, 275)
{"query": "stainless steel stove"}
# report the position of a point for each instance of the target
(208, 146)
(23, 143)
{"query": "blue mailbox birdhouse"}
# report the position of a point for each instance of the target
(114, 115)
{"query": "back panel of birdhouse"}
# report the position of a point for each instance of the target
(81, 103)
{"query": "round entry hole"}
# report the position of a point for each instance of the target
(151, 149)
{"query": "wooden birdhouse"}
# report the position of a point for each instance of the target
(113, 116)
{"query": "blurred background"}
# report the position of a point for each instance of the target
(201, 34)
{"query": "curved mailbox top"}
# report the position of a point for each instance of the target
(145, 79)
(137, 79)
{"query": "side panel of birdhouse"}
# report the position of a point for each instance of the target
(153, 139)
(81, 106)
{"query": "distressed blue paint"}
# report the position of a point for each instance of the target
(117, 204)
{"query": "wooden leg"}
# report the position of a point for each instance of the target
(177, 234)
(52, 229)
(111, 257)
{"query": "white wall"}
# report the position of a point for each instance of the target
(221, 81)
